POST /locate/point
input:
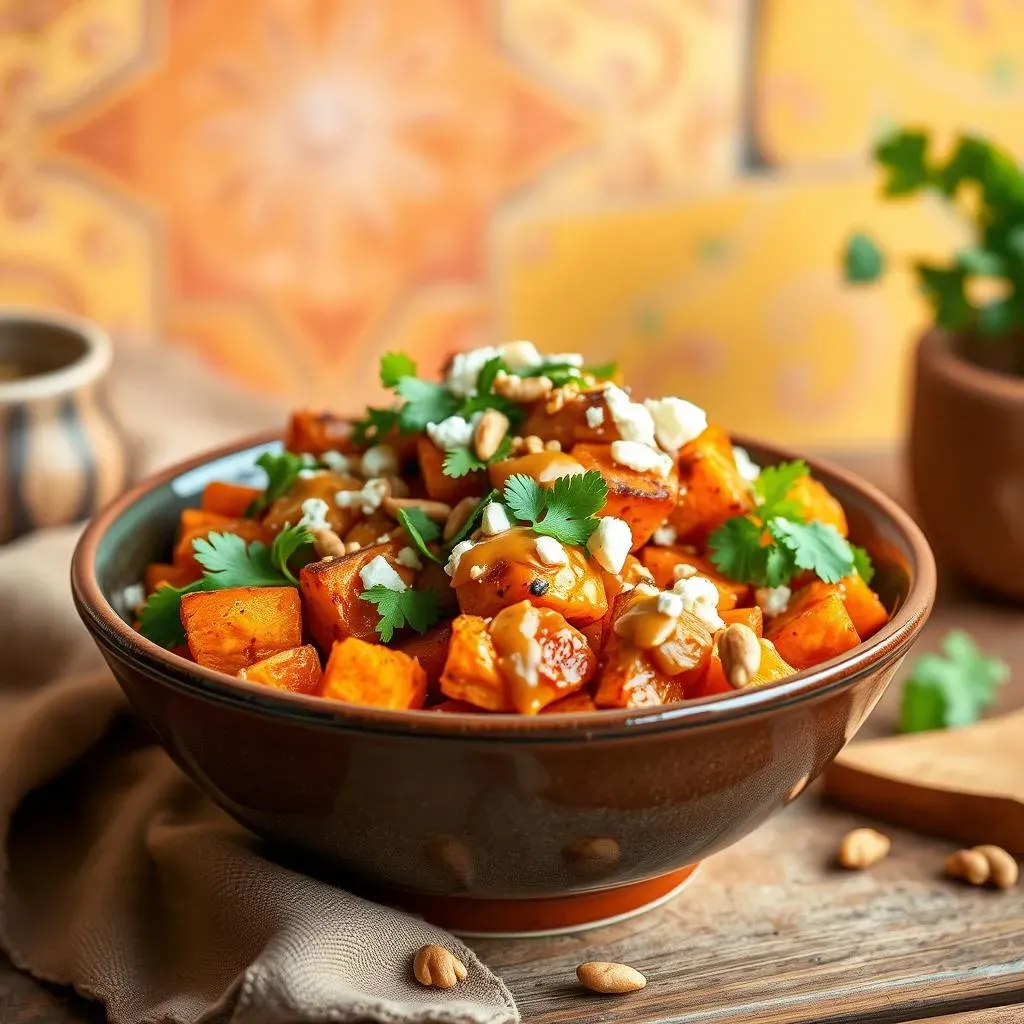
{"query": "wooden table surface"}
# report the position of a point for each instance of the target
(769, 931)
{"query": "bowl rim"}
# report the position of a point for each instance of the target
(887, 645)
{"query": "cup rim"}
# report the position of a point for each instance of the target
(886, 647)
(90, 366)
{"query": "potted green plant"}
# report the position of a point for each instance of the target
(966, 444)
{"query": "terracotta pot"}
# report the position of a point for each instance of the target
(967, 464)
(494, 822)
(62, 453)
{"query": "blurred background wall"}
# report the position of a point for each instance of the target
(290, 187)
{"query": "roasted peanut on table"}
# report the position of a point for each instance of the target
(984, 865)
(610, 979)
(437, 967)
(862, 848)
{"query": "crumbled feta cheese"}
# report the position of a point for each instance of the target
(641, 457)
(338, 463)
(465, 368)
(380, 460)
(634, 422)
(379, 572)
(684, 571)
(494, 520)
(368, 499)
(314, 514)
(773, 600)
(676, 421)
(383, 538)
(749, 469)
(700, 598)
(452, 565)
(610, 543)
(670, 604)
(550, 551)
(521, 355)
(310, 474)
(664, 536)
(647, 589)
(476, 571)
(453, 432)
(409, 558)
(595, 417)
(569, 358)
(134, 596)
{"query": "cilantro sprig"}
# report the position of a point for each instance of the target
(227, 562)
(282, 469)
(417, 609)
(421, 530)
(950, 689)
(566, 510)
(774, 542)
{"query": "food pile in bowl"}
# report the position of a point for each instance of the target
(521, 537)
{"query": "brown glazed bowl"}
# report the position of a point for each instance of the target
(494, 823)
(967, 464)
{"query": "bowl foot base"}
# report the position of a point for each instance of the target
(533, 918)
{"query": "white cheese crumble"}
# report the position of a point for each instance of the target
(134, 597)
(664, 536)
(379, 572)
(670, 604)
(550, 551)
(676, 421)
(773, 600)
(453, 432)
(310, 474)
(314, 514)
(521, 355)
(380, 460)
(494, 520)
(465, 368)
(633, 421)
(641, 457)
(568, 358)
(610, 543)
(410, 558)
(367, 499)
(452, 565)
(700, 598)
(749, 469)
(595, 417)
(338, 463)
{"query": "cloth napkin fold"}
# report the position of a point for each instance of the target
(117, 876)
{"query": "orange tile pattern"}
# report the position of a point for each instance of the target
(291, 187)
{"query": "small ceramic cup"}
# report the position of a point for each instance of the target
(62, 452)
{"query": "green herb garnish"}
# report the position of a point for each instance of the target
(566, 510)
(417, 609)
(421, 530)
(460, 461)
(951, 689)
(282, 469)
(473, 521)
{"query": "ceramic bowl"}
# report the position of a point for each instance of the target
(495, 823)
(62, 453)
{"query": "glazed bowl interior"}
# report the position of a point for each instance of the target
(139, 529)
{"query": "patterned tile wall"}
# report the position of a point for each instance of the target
(291, 187)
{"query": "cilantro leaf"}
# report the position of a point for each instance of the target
(394, 366)
(417, 609)
(377, 424)
(425, 402)
(904, 155)
(863, 261)
(736, 550)
(286, 544)
(565, 510)
(460, 461)
(950, 689)
(489, 373)
(421, 530)
(815, 546)
(773, 486)
(862, 563)
(471, 523)
(980, 262)
(603, 371)
(282, 469)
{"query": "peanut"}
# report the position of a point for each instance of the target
(984, 865)
(610, 979)
(862, 848)
(522, 389)
(327, 543)
(740, 651)
(533, 444)
(458, 516)
(490, 431)
(552, 446)
(436, 510)
(436, 967)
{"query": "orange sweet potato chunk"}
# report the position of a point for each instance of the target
(752, 617)
(471, 670)
(816, 502)
(372, 675)
(296, 670)
(330, 592)
(643, 500)
(196, 523)
(441, 487)
(229, 630)
(569, 425)
(711, 487)
(863, 605)
(571, 705)
(818, 632)
(288, 508)
(430, 650)
(544, 467)
(316, 432)
(158, 574)
(229, 499)
(662, 562)
(772, 667)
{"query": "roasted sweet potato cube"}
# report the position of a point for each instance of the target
(296, 670)
(471, 670)
(662, 562)
(440, 486)
(228, 499)
(752, 617)
(314, 432)
(330, 591)
(287, 510)
(159, 574)
(375, 676)
(197, 523)
(229, 630)
(574, 704)
(643, 500)
(544, 467)
(711, 487)
(862, 604)
(814, 499)
(374, 529)
(504, 570)
(430, 650)
(773, 667)
(569, 424)
(819, 632)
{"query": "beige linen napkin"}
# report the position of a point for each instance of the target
(117, 876)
